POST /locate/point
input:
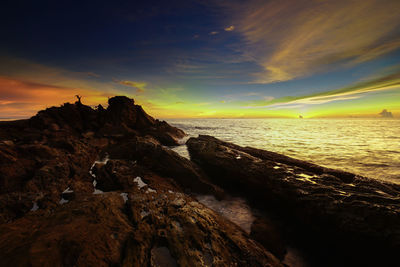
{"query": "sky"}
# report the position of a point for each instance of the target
(204, 58)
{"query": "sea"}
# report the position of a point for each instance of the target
(367, 147)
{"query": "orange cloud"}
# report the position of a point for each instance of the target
(292, 39)
(139, 86)
(22, 99)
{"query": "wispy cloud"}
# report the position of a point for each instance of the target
(292, 39)
(247, 95)
(230, 28)
(139, 86)
(202, 104)
(388, 82)
(26, 70)
(92, 74)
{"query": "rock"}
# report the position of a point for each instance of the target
(80, 233)
(130, 227)
(165, 162)
(356, 218)
(174, 222)
(266, 233)
(179, 231)
(64, 202)
(122, 118)
(124, 114)
(122, 110)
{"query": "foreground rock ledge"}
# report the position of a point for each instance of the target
(339, 215)
(96, 187)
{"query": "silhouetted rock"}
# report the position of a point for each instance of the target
(355, 217)
(122, 118)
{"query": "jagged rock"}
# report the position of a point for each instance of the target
(90, 231)
(122, 115)
(165, 162)
(121, 118)
(122, 110)
(356, 217)
(61, 204)
(173, 224)
(192, 234)
(148, 221)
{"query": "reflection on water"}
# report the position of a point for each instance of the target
(368, 147)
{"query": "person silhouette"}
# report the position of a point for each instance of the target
(79, 99)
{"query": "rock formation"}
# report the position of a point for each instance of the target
(96, 187)
(331, 212)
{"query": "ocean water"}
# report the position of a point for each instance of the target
(367, 147)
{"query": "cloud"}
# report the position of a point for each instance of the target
(292, 39)
(202, 104)
(26, 70)
(213, 33)
(387, 82)
(268, 98)
(230, 28)
(139, 86)
(386, 114)
(92, 74)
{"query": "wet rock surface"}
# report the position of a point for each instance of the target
(96, 187)
(339, 217)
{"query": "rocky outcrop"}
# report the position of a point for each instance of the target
(97, 187)
(355, 218)
(164, 162)
(89, 231)
(134, 220)
(122, 118)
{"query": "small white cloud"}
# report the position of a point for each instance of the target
(268, 98)
(230, 28)
(214, 33)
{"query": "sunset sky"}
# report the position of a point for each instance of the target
(227, 58)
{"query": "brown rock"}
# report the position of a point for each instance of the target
(266, 233)
(164, 162)
(356, 217)
(80, 233)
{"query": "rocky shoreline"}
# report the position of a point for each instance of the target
(100, 187)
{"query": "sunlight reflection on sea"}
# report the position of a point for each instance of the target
(368, 147)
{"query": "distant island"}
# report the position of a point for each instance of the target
(84, 186)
